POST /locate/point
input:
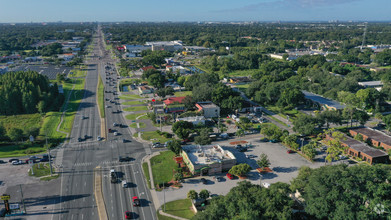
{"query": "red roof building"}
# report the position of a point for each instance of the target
(173, 100)
(147, 68)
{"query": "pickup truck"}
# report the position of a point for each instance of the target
(113, 176)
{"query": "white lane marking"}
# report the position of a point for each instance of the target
(85, 183)
(138, 193)
(82, 216)
(143, 180)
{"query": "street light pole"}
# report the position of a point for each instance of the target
(50, 157)
(21, 192)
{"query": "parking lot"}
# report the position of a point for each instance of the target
(285, 167)
(49, 71)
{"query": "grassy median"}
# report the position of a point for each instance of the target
(101, 97)
(136, 108)
(146, 173)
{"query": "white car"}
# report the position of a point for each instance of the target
(115, 133)
(16, 162)
(99, 138)
(124, 183)
(266, 185)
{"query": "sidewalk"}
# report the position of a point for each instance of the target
(155, 198)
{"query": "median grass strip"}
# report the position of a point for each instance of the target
(136, 108)
(162, 167)
(101, 97)
(154, 136)
(133, 103)
(134, 116)
(134, 125)
(41, 169)
(73, 103)
(180, 208)
(146, 173)
(130, 97)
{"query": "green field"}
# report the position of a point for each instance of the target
(134, 125)
(180, 208)
(41, 169)
(146, 174)
(101, 97)
(154, 136)
(162, 167)
(77, 72)
(136, 108)
(134, 116)
(49, 125)
(130, 97)
(19, 150)
(24, 122)
(133, 103)
(183, 93)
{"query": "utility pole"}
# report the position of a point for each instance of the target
(21, 192)
(160, 122)
(164, 198)
(50, 157)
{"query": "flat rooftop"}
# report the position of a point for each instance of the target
(371, 83)
(207, 104)
(207, 154)
(322, 100)
(374, 135)
(364, 148)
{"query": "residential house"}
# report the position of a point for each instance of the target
(174, 104)
(378, 85)
(210, 109)
(240, 80)
(195, 120)
(3, 69)
(143, 69)
(145, 90)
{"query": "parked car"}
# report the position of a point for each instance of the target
(203, 181)
(230, 176)
(251, 156)
(2, 161)
(290, 151)
(136, 201)
(116, 134)
(17, 162)
(156, 145)
(264, 139)
(220, 179)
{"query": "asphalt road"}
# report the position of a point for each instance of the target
(79, 159)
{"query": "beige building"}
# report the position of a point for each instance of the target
(208, 159)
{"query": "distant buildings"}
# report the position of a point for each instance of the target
(207, 160)
(165, 45)
(377, 138)
(145, 90)
(194, 119)
(378, 85)
(240, 80)
(3, 69)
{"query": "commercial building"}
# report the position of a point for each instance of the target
(361, 150)
(209, 108)
(174, 104)
(195, 120)
(208, 159)
(378, 85)
(165, 45)
(377, 138)
(322, 102)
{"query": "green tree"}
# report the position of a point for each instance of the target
(310, 150)
(387, 121)
(15, 134)
(263, 161)
(192, 194)
(203, 138)
(204, 194)
(178, 176)
(335, 147)
(157, 80)
(175, 146)
(2, 131)
(240, 169)
(304, 124)
(182, 129)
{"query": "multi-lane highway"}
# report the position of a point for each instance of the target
(79, 159)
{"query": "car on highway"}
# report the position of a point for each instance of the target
(230, 176)
(135, 201)
(110, 130)
(115, 124)
(99, 138)
(124, 183)
(79, 139)
(124, 159)
(128, 215)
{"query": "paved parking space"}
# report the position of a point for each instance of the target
(285, 167)
(49, 71)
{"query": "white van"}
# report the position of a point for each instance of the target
(124, 184)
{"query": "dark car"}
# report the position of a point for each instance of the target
(264, 140)
(290, 151)
(243, 149)
(128, 215)
(203, 180)
(79, 139)
(2, 161)
(136, 201)
(125, 159)
(44, 159)
(11, 160)
(220, 179)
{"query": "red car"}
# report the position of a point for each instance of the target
(109, 130)
(128, 215)
(230, 176)
(290, 151)
(136, 201)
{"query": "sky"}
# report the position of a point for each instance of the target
(193, 10)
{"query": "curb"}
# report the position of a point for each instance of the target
(99, 194)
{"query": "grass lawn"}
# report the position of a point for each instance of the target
(134, 116)
(154, 136)
(183, 93)
(134, 125)
(77, 72)
(49, 125)
(136, 108)
(42, 170)
(135, 135)
(133, 103)
(19, 150)
(101, 97)
(146, 173)
(162, 167)
(130, 97)
(180, 208)
(23, 122)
